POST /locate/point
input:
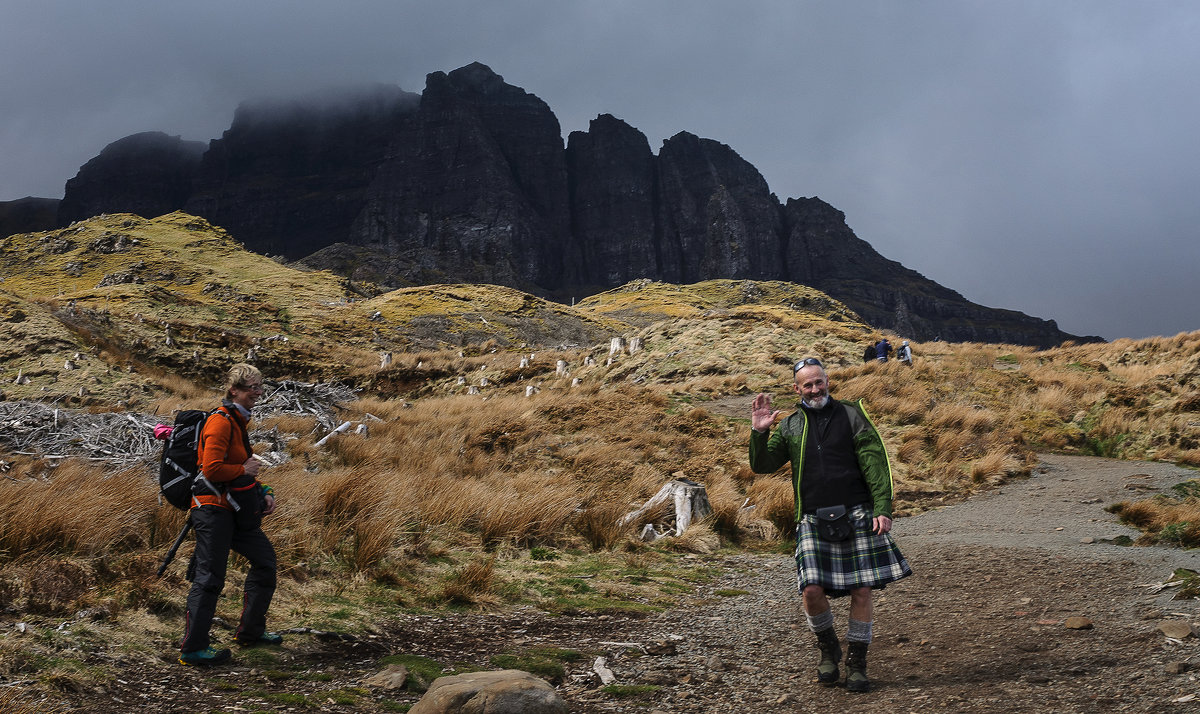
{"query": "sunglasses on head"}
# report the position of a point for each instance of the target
(806, 362)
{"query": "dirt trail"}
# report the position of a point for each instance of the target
(979, 627)
(1056, 509)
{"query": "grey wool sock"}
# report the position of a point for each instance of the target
(821, 622)
(859, 631)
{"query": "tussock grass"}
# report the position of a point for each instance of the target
(74, 508)
(1164, 520)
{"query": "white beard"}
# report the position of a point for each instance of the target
(818, 403)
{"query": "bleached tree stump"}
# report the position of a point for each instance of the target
(560, 368)
(385, 360)
(691, 504)
(617, 346)
(635, 344)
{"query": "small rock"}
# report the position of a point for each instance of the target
(715, 663)
(391, 678)
(1175, 629)
(660, 678)
(1078, 623)
(1087, 540)
(661, 648)
(788, 698)
(1177, 667)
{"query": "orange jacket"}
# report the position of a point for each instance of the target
(222, 454)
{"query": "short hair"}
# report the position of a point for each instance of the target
(239, 374)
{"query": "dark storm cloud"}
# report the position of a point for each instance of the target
(1033, 156)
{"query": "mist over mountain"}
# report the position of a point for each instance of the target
(470, 181)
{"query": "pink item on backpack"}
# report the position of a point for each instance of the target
(163, 431)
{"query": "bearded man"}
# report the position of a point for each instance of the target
(842, 481)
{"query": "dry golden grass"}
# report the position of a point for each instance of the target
(1164, 520)
(472, 583)
(19, 702)
(774, 501)
(74, 508)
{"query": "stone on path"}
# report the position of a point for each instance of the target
(507, 691)
(1176, 629)
(1078, 623)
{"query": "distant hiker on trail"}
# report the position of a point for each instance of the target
(869, 353)
(904, 354)
(883, 349)
(228, 504)
(842, 482)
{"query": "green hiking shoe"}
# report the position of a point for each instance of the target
(266, 638)
(831, 654)
(205, 657)
(856, 668)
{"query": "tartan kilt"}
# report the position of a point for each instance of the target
(863, 560)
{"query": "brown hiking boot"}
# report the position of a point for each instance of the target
(831, 654)
(856, 668)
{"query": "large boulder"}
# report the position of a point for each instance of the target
(508, 691)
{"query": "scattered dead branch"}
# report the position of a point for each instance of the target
(32, 428)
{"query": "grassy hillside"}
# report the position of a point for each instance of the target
(500, 445)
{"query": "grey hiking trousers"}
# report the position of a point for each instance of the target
(216, 535)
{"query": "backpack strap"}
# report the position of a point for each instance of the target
(200, 477)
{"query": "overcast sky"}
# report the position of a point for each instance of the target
(1036, 156)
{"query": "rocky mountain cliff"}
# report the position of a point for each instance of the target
(27, 215)
(148, 174)
(470, 182)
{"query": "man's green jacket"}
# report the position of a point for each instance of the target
(768, 454)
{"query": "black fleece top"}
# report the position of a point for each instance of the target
(831, 473)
